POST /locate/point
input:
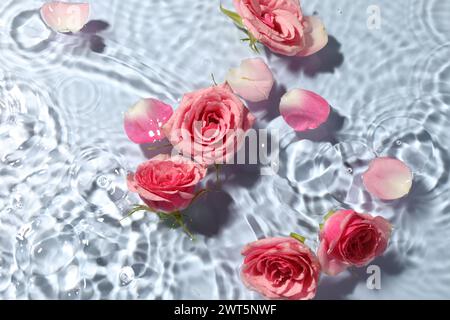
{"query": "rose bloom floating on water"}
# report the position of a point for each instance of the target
(143, 121)
(281, 268)
(166, 184)
(280, 25)
(304, 110)
(65, 16)
(348, 238)
(209, 125)
(252, 81)
(388, 178)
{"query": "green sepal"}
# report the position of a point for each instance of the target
(252, 41)
(136, 208)
(174, 219)
(327, 216)
(298, 237)
(233, 16)
(238, 21)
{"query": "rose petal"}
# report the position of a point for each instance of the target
(144, 120)
(316, 36)
(303, 109)
(388, 178)
(65, 16)
(329, 265)
(253, 80)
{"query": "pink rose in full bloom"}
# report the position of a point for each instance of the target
(349, 239)
(209, 125)
(281, 26)
(166, 184)
(281, 268)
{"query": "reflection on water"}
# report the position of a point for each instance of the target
(64, 155)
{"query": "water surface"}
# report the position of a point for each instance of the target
(64, 155)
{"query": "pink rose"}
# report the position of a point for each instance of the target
(281, 26)
(209, 124)
(349, 239)
(281, 268)
(166, 184)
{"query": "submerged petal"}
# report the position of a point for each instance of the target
(65, 16)
(388, 178)
(144, 120)
(316, 36)
(253, 80)
(303, 109)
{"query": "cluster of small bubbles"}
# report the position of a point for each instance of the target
(126, 275)
(103, 182)
(18, 201)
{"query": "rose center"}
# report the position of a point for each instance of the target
(361, 246)
(269, 19)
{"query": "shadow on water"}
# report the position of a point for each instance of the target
(325, 61)
(95, 26)
(90, 33)
(151, 150)
(343, 285)
(270, 107)
(327, 131)
(210, 213)
(91, 30)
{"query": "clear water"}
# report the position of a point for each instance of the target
(64, 155)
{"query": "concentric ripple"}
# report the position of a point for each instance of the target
(98, 175)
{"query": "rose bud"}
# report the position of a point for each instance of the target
(166, 184)
(144, 120)
(304, 110)
(280, 268)
(252, 81)
(65, 16)
(388, 178)
(349, 239)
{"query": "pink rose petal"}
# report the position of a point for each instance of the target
(144, 120)
(303, 109)
(253, 80)
(388, 178)
(65, 16)
(316, 36)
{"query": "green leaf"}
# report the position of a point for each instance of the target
(297, 237)
(175, 219)
(180, 221)
(233, 16)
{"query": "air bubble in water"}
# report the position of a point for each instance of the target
(103, 182)
(126, 275)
